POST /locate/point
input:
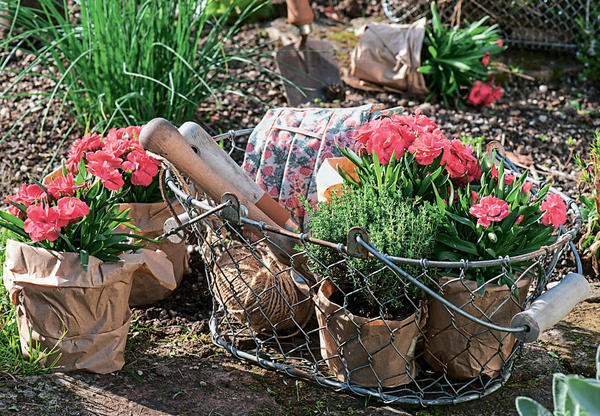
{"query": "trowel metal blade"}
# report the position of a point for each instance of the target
(310, 69)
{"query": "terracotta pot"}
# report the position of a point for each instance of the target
(458, 346)
(365, 351)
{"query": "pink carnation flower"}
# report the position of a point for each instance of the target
(556, 211)
(490, 209)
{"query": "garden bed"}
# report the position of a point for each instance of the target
(543, 124)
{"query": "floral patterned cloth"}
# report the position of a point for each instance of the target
(288, 146)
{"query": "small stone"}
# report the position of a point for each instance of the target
(29, 394)
(140, 373)
(173, 313)
(543, 118)
(543, 89)
(202, 383)
(426, 109)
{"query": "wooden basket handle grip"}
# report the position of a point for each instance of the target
(551, 307)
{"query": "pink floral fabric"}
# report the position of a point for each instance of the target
(287, 147)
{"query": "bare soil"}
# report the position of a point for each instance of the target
(172, 366)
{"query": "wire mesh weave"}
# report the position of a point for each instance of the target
(534, 24)
(455, 347)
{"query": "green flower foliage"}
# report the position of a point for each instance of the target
(396, 227)
(454, 57)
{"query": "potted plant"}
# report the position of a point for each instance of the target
(488, 214)
(125, 168)
(457, 60)
(369, 318)
(66, 271)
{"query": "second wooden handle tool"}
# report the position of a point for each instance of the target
(222, 164)
(161, 137)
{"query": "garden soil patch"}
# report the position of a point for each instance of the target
(173, 368)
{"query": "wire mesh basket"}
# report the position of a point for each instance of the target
(269, 308)
(534, 24)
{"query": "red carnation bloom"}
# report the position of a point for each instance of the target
(499, 42)
(43, 222)
(508, 178)
(104, 165)
(143, 166)
(64, 185)
(484, 94)
(383, 137)
(27, 195)
(70, 208)
(428, 146)
(556, 211)
(486, 59)
(490, 209)
(89, 142)
(526, 188)
(460, 162)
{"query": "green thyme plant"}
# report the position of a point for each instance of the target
(396, 227)
(126, 62)
(573, 396)
(454, 57)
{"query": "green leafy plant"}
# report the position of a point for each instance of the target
(456, 58)
(220, 7)
(588, 41)
(126, 62)
(589, 198)
(495, 217)
(71, 214)
(573, 396)
(488, 212)
(396, 227)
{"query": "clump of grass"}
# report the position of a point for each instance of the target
(11, 360)
(126, 62)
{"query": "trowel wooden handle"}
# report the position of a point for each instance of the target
(551, 307)
(299, 12)
(223, 165)
(161, 137)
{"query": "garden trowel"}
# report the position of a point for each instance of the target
(309, 65)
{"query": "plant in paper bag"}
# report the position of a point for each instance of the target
(71, 214)
(456, 58)
(489, 213)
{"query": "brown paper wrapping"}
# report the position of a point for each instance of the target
(83, 315)
(152, 283)
(461, 347)
(346, 348)
(387, 57)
